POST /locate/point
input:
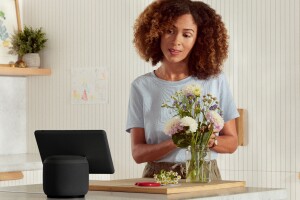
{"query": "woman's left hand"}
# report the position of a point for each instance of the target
(227, 140)
(212, 140)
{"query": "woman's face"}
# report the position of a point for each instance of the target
(177, 42)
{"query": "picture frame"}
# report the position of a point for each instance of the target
(9, 23)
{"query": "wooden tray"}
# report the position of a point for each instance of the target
(128, 185)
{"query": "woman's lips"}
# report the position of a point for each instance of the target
(174, 51)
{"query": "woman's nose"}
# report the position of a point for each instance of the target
(176, 40)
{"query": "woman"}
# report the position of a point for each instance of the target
(189, 40)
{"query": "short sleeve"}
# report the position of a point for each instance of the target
(227, 103)
(135, 108)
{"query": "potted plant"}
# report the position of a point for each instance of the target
(27, 44)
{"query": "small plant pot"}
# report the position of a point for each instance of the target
(32, 60)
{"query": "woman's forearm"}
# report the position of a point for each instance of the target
(226, 144)
(151, 152)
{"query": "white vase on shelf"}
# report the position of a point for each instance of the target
(32, 60)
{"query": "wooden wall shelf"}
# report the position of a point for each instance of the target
(14, 71)
(7, 176)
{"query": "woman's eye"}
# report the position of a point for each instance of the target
(170, 31)
(187, 35)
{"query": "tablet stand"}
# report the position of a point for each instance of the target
(65, 176)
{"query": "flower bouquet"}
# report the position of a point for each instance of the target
(196, 117)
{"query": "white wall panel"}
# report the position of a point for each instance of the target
(262, 69)
(12, 115)
(264, 39)
(85, 35)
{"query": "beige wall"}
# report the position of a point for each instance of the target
(262, 68)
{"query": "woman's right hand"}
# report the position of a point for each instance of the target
(143, 152)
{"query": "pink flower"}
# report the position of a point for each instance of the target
(173, 126)
(214, 118)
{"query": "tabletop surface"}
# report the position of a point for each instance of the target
(239, 193)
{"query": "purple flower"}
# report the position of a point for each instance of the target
(213, 107)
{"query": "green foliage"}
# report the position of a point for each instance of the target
(28, 41)
(182, 140)
(2, 14)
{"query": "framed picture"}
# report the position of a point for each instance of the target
(9, 24)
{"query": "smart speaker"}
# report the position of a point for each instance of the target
(65, 176)
(69, 156)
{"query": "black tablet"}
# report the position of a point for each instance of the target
(91, 144)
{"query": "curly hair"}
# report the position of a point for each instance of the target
(210, 49)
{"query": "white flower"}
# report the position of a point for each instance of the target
(192, 89)
(189, 122)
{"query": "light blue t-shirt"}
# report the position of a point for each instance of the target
(147, 94)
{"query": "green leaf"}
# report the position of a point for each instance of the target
(181, 140)
(28, 41)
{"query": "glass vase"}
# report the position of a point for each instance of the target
(198, 164)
